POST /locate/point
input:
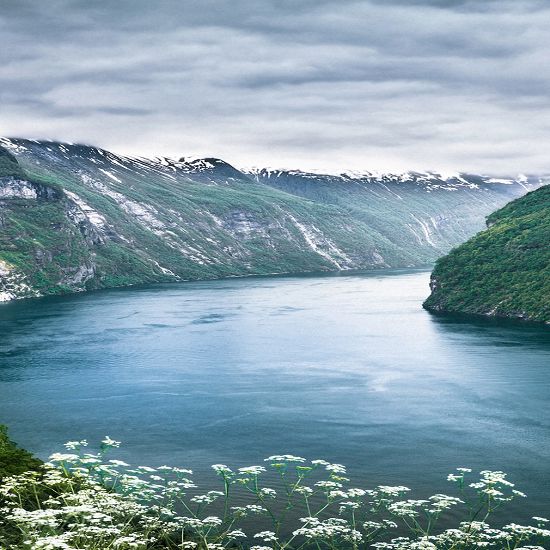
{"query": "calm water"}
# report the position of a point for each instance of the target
(347, 368)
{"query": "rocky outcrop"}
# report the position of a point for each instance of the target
(91, 224)
(14, 284)
(17, 188)
(11, 188)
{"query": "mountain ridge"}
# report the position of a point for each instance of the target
(76, 217)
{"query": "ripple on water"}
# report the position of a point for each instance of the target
(347, 368)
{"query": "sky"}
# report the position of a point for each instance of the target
(328, 85)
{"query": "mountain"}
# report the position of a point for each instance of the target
(503, 271)
(75, 217)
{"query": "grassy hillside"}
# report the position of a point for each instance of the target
(74, 217)
(503, 271)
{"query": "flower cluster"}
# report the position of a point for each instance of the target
(83, 500)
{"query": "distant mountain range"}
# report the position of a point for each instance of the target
(75, 217)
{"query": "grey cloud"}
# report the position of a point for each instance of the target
(321, 84)
(471, 5)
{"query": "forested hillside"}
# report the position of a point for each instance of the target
(503, 271)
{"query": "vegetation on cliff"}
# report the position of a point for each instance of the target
(9, 165)
(503, 271)
(14, 460)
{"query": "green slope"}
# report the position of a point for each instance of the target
(503, 271)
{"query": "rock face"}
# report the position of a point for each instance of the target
(75, 218)
(11, 188)
(503, 271)
(13, 284)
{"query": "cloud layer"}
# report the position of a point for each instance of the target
(326, 84)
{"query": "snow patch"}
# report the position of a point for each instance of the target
(425, 229)
(321, 245)
(144, 214)
(93, 216)
(12, 146)
(110, 175)
(164, 270)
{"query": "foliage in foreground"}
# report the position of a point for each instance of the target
(85, 501)
(14, 460)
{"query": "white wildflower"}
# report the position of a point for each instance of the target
(221, 469)
(284, 458)
(266, 536)
(107, 441)
(252, 470)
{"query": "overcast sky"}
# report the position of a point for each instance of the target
(325, 84)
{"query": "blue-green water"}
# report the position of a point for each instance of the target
(346, 368)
